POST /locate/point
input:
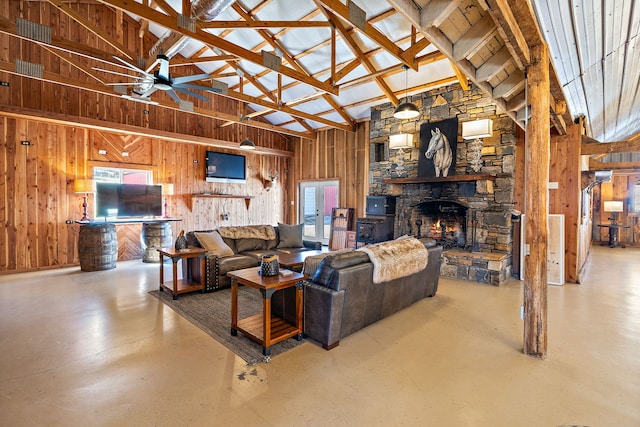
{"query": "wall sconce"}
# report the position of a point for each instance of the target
(401, 140)
(475, 130)
(615, 207)
(167, 190)
(84, 186)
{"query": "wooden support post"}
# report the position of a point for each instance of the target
(537, 178)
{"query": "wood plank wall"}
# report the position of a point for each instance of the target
(564, 169)
(37, 193)
(335, 154)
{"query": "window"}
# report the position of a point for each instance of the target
(122, 176)
(636, 197)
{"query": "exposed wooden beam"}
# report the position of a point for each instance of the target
(411, 12)
(537, 155)
(341, 10)
(595, 165)
(212, 40)
(509, 86)
(464, 81)
(509, 29)
(357, 51)
(494, 64)
(87, 123)
(265, 24)
(480, 34)
(286, 56)
(67, 81)
(609, 147)
(436, 12)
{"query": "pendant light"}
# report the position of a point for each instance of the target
(247, 144)
(406, 110)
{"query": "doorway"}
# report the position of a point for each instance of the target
(317, 199)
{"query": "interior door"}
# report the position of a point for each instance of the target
(317, 199)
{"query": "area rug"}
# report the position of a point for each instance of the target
(211, 312)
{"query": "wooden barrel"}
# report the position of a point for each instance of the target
(97, 247)
(155, 235)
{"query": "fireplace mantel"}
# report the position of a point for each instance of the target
(433, 179)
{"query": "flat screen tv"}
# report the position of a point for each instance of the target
(226, 168)
(128, 200)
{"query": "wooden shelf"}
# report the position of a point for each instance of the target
(433, 179)
(247, 199)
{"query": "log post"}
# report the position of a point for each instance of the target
(536, 204)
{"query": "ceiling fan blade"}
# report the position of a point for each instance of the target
(138, 98)
(174, 96)
(132, 67)
(119, 74)
(197, 87)
(188, 92)
(186, 79)
(122, 84)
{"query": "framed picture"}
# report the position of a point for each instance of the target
(438, 143)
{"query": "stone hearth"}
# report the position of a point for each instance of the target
(478, 238)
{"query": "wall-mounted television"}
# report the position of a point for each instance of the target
(226, 168)
(128, 200)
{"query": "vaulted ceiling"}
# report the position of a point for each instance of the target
(305, 65)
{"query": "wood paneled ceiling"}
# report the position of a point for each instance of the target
(305, 65)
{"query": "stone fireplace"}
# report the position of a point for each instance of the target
(470, 212)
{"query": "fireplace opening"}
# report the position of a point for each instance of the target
(442, 220)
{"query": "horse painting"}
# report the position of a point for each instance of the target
(440, 150)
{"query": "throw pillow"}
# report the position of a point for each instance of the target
(213, 243)
(290, 235)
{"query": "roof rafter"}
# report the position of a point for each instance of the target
(212, 40)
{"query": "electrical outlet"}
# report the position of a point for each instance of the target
(522, 312)
(25, 142)
(69, 221)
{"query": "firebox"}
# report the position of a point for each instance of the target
(377, 226)
(442, 220)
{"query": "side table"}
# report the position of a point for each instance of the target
(181, 286)
(264, 328)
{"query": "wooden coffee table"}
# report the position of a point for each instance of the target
(295, 261)
(264, 328)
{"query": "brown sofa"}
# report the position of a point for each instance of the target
(341, 298)
(247, 252)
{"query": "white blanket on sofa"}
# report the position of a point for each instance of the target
(396, 258)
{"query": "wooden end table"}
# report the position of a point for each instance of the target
(264, 328)
(181, 286)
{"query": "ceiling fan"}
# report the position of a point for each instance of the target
(146, 83)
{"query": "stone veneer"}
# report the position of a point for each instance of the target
(491, 199)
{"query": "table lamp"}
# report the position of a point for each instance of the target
(615, 207)
(167, 190)
(84, 186)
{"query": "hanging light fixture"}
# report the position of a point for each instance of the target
(406, 110)
(247, 144)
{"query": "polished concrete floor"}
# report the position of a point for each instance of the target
(94, 349)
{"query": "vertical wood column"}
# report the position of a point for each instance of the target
(536, 202)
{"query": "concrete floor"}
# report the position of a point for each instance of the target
(94, 349)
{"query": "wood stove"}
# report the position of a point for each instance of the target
(378, 224)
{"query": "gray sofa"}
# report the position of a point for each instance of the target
(247, 252)
(341, 298)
